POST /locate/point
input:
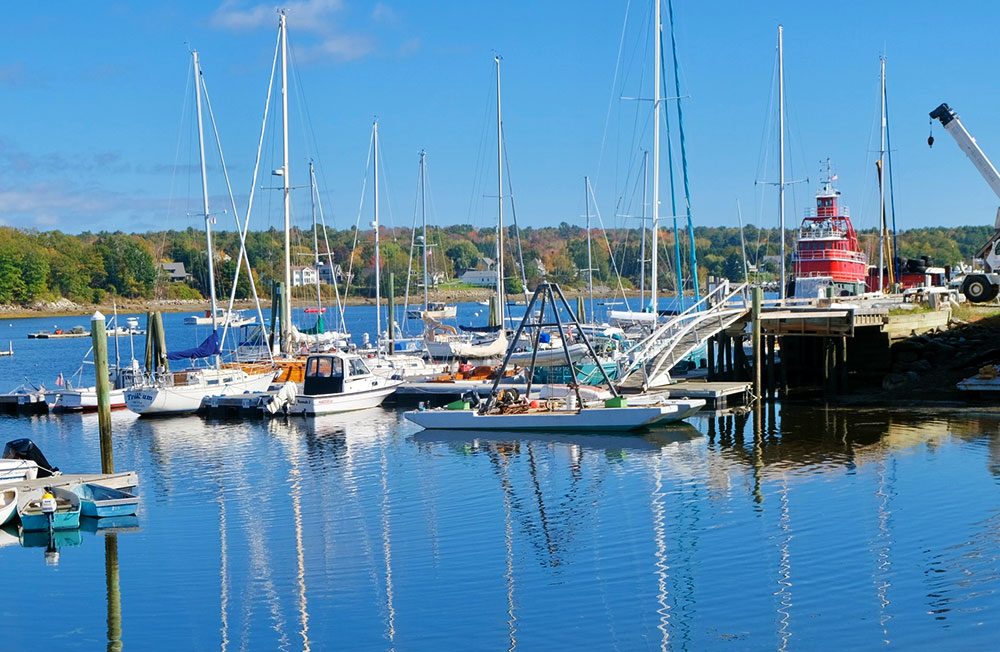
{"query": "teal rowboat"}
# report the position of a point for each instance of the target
(99, 501)
(66, 517)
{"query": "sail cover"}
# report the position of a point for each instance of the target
(207, 348)
(318, 329)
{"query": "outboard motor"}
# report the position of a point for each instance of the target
(472, 398)
(25, 449)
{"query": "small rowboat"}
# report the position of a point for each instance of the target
(8, 504)
(66, 517)
(99, 501)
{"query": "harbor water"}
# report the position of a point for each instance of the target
(808, 527)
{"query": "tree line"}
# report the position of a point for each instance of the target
(88, 267)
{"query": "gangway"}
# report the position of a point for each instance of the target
(652, 358)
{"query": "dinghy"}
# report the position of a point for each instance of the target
(8, 504)
(99, 501)
(32, 509)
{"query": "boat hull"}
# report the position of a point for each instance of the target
(67, 516)
(8, 504)
(334, 403)
(157, 400)
(592, 419)
(98, 501)
(83, 399)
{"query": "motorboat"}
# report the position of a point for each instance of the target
(34, 510)
(334, 382)
(223, 317)
(17, 470)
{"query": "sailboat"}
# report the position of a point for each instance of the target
(508, 410)
(183, 391)
(443, 341)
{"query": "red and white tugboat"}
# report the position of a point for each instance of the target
(827, 252)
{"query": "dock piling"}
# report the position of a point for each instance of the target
(99, 338)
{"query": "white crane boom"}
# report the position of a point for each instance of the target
(951, 123)
(976, 287)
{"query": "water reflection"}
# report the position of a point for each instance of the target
(356, 530)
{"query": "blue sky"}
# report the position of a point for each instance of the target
(94, 135)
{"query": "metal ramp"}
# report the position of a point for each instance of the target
(650, 361)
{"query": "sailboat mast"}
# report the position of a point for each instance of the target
(590, 262)
(684, 172)
(781, 155)
(204, 187)
(500, 301)
(378, 265)
(642, 246)
(286, 305)
(881, 184)
(657, 28)
(423, 214)
(312, 198)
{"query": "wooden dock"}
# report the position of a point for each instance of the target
(125, 480)
(718, 394)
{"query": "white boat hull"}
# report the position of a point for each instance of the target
(8, 504)
(17, 470)
(553, 356)
(592, 419)
(152, 400)
(334, 403)
(82, 399)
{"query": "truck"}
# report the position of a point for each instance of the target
(977, 286)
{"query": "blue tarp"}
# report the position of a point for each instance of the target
(209, 347)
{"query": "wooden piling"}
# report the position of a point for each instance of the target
(711, 358)
(757, 295)
(727, 355)
(99, 339)
(842, 364)
(783, 369)
(769, 346)
(113, 592)
(161, 343)
(828, 370)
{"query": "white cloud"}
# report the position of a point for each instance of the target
(344, 47)
(383, 13)
(306, 15)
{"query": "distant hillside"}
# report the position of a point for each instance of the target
(38, 266)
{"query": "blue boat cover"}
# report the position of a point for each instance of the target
(479, 329)
(209, 347)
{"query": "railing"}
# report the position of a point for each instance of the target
(831, 254)
(715, 306)
(813, 211)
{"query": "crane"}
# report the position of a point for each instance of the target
(976, 287)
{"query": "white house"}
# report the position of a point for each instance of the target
(303, 275)
(485, 278)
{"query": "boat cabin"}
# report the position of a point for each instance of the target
(329, 373)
